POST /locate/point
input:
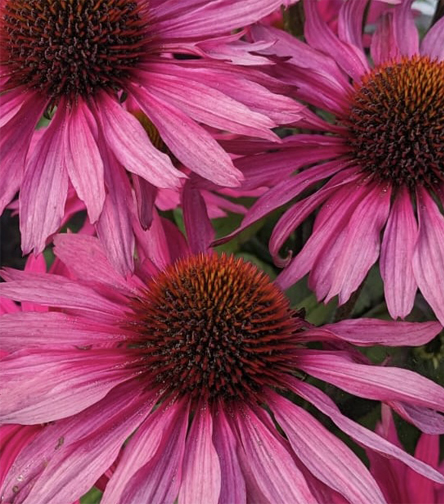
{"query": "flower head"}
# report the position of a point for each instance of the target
(381, 156)
(191, 336)
(104, 70)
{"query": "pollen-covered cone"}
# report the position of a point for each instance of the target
(177, 369)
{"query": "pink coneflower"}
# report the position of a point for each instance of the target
(382, 156)
(190, 338)
(399, 484)
(80, 62)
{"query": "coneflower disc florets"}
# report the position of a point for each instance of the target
(71, 47)
(396, 122)
(215, 327)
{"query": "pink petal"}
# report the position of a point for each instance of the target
(15, 139)
(233, 490)
(151, 467)
(358, 432)
(428, 258)
(200, 459)
(54, 290)
(433, 43)
(338, 210)
(350, 22)
(83, 160)
(63, 461)
(114, 226)
(328, 458)
(146, 195)
(45, 186)
(198, 226)
(405, 30)
(130, 144)
(396, 256)
(270, 472)
(372, 382)
(51, 328)
(207, 105)
(217, 17)
(425, 419)
(320, 36)
(368, 332)
(188, 141)
(361, 244)
(41, 387)
(384, 45)
(86, 259)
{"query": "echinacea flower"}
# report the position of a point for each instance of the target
(79, 62)
(399, 484)
(183, 370)
(381, 156)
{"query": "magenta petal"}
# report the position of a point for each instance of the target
(54, 290)
(83, 160)
(150, 469)
(425, 419)
(396, 256)
(130, 144)
(320, 36)
(327, 458)
(405, 31)
(372, 382)
(269, 469)
(200, 459)
(45, 186)
(87, 261)
(198, 226)
(361, 244)
(67, 457)
(428, 258)
(384, 46)
(367, 332)
(233, 490)
(433, 43)
(360, 433)
(188, 141)
(50, 328)
(350, 22)
(40, 387)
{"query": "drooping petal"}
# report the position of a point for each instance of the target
(188, 141)
(200, 459)
(320, 36)
(151, 467)
(29, 329)
(425, 419)
(45, 186)
(404, 29)
(368, 332)
(83, 160)
(270, 472)
(396, 256)
(129, 142)
(64, 459)
(233, 490)
(350, 22)
(358, 432)
(372, 382)
(41, 386)
(200, 232)
(328, 458)
(54, 290)
(433, 43)
(428, 257)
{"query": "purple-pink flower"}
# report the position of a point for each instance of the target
(373, 161)
(93, 67)
(184, 371)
